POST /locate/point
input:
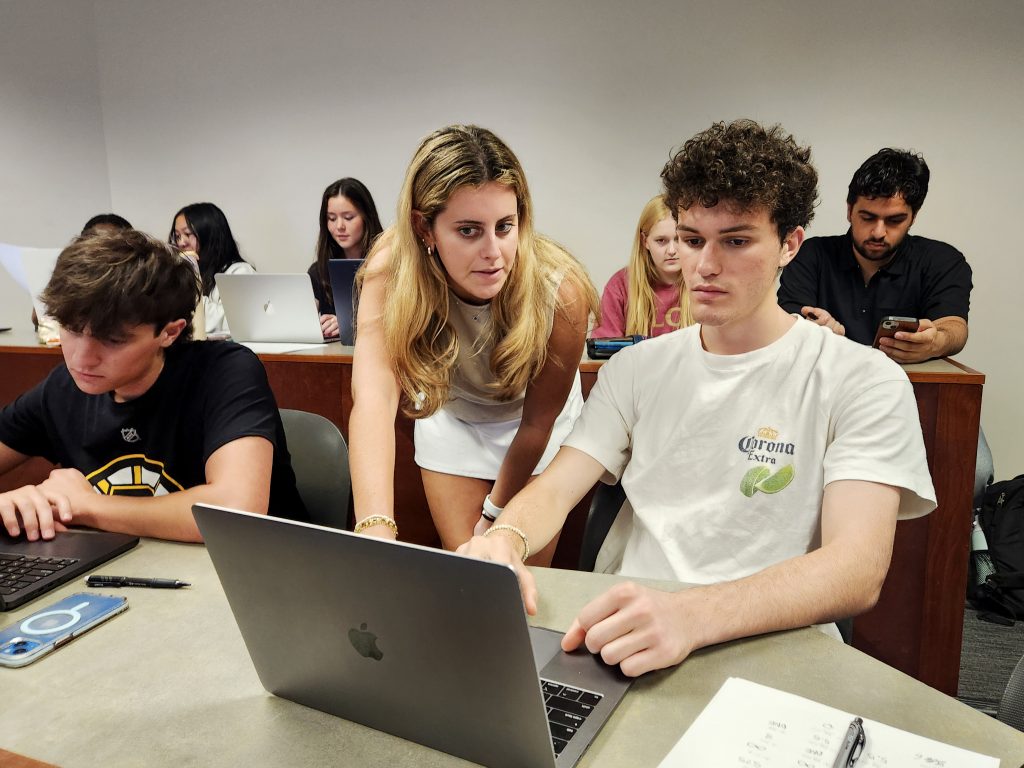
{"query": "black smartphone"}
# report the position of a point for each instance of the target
(890, 325)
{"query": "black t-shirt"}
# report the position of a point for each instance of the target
(926, 279)
(325, 301)
(208, 394)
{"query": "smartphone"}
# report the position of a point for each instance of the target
(890, 325)
(47, 630)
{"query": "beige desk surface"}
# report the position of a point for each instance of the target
(169, 682)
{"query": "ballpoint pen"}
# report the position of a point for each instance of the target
(134, 581)
(852, 746)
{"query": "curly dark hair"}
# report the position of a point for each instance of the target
(108, 282)
(746, 165)
(892, 172)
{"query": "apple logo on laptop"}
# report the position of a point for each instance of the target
(268, 308)
(365, 643)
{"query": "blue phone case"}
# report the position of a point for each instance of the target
(35, 636)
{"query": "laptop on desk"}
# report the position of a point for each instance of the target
(343, 288)
(270, 308)
(30, 569)
(424, 644)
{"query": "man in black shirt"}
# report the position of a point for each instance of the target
(142, 421)
(850, 282)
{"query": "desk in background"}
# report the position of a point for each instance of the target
(917, 625)
(169, 683)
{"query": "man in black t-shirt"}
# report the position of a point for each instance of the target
(142, 421)
(850, 282)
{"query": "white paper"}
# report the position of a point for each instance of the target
(277, 347)
(31, 269)
(747, 725)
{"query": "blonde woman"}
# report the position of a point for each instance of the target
(648, 296)
(473, 325)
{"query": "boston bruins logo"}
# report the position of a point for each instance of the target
(133, 475)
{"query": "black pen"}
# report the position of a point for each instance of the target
(134, 581)
(853, 745)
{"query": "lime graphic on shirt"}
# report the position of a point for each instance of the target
(776, 482)
(748, 485)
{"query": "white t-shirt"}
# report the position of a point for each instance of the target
(724, 458)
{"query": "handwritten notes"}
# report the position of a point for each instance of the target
(747, 725)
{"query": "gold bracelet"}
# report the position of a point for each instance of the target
(516, 531)
(372, 520)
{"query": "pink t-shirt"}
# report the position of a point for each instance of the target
(613, 308)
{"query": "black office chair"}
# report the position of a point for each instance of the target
(320, 461)
(604, 508)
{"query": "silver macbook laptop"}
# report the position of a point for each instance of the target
(424, 644)
(343, 288)
(270, 308)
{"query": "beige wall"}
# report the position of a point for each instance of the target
(258, 106)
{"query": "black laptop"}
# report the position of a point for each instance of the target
(29, 569)
(343, 287)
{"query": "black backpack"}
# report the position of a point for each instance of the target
(995, 584)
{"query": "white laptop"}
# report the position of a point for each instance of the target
(424, 644)
(267, 307)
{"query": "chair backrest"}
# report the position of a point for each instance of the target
(320, 460)
(1011, 706)
(604, 508)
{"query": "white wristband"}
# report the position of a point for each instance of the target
(491, 510)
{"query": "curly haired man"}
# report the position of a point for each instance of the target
(765, 459)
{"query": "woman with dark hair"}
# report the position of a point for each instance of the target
(201, 230)
(348, 226)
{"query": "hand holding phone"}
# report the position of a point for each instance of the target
(47, 630)
(890, 325)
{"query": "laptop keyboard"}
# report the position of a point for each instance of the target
(567, 708)
(20, 571)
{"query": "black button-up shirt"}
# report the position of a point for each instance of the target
(926, 279)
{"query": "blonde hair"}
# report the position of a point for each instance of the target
(641, 305)
(418, 335)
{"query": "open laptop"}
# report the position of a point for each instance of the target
(343, 288)
(29, 569)
(424, 644)
(270, 308)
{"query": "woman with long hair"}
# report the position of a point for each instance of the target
(474, 325)
(348, 227)
(201, 230)
(647, 297)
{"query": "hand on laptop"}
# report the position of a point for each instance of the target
(638, 628)
(329, 326)
(31, 508)
(500, 549)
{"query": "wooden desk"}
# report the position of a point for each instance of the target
(169, 683)
(918, 623)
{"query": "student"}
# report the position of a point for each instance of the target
(647, 297)
(105, 223)
(775, 481)
(202, 231)
(474, 324)
(348, 226)
(142, 422)
(849, 282)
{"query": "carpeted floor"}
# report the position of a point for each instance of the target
(990, 652)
